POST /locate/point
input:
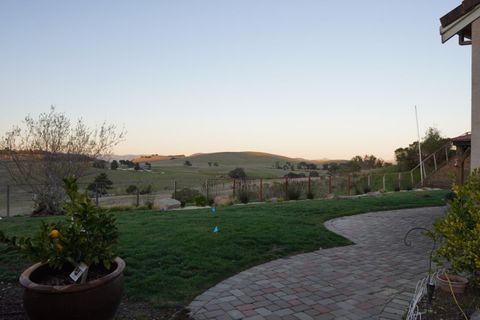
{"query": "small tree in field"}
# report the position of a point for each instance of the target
(43, 151)
(237, 173)
(101, 184)
(114, 165)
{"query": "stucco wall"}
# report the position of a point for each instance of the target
(475, 158)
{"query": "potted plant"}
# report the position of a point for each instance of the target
(78, 275)
(459, 233)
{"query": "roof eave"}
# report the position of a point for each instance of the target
(459, 25)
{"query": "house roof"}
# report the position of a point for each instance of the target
(458, 12)
(464, 137)
(459, 20)
(463, 140)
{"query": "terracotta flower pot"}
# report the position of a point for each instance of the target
(458, 283)
(97, 299)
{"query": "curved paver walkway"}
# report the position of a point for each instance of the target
(373, 279)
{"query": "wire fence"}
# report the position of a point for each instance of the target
(20, 199)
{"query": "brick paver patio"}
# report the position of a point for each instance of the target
(373, 279)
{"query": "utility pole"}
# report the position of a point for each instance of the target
(419, 147)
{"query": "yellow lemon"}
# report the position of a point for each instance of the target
(54, 234)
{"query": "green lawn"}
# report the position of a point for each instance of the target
(174, 256)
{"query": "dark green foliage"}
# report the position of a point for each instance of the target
(149, 204)
(367, 189)
(200, 201)
(450, 196)
(306, 166)
(101, 184)
(288, 166)
(237, 173)
(131, 189)
(127, 163)
(310, 195)
(186, 195)
(397, 188)
(294, 175)
(187, 163)
(314, 174)
(114, 165)
(243, 195)
(137, 166)
(146, 189)
(333, 167)
(294, 192)
(408, 158)
(100, 164)
(357, 190)
(458, 231)
(367, 162)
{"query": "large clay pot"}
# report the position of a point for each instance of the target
(94, 300)
(457, 283)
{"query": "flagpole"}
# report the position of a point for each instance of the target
(419, 147)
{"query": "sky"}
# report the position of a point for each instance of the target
(313, 79)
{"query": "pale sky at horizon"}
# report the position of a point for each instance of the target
(311, 79)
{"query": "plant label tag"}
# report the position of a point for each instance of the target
(79, 270)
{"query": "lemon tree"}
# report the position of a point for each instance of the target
(86, 235)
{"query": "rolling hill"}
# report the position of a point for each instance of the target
(246, 158)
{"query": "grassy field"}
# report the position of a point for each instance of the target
(163, 173)
(173, 256)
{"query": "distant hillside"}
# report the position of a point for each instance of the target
(247, 158)
(156, 157)
(117, 157)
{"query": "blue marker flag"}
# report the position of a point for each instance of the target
(214, 210)
(215, 230)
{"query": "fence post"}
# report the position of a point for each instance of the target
(369, 177)
(446, 153)
(411, 177)
(399, 181)
(349, 184)
(96, 194)
(206, 185)
(8, 200)
(234, 184)
(384, 183)
(435, 160)
(329, 184)
(286, 188)
(138, 197)
(261, 190)
(175, 189)
(309, 184)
